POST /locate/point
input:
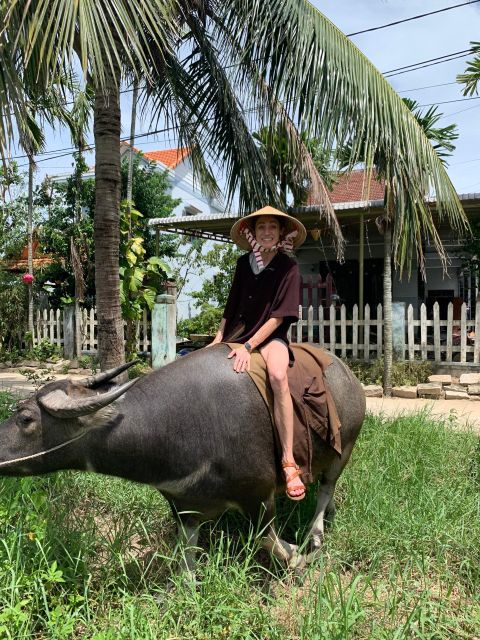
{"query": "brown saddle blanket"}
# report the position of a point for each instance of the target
(313, 405)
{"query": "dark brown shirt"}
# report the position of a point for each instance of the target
(255, 298)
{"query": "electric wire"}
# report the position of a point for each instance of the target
(417, 17)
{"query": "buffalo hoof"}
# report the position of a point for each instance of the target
(297, 560)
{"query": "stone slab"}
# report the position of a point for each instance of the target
(432, 390)
(474, 389)
(469, 378)
(456, 395)
(442, 379)
(404, 392)
(454, 387)
(373, 390)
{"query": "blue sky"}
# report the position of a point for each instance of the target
(412, 42)
(388, 49)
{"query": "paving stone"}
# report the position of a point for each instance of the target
(59, 366)
(454, 387)
(442, 379)
(474, 389)
(29, 364)
(469, 378)
(373, 390)
(432, 390)
(456, 395)
(404, 392)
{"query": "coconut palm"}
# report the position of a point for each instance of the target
(398, 215)
(216, 70)
(471, 78)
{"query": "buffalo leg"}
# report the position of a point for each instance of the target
(188, 525)
(264, 515)
(316, 533)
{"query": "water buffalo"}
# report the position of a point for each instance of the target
(195, 430)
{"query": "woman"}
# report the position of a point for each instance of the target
(262, 304)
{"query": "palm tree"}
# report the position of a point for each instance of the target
(39, 107)
(471, 77)
(215, 71)
(398, 214)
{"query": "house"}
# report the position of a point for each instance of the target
(180, 173)
(176, 162)
(358, 279)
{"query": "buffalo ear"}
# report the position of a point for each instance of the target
(60, 405)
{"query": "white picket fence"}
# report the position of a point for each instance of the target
(340, 331)
(49, 325)
(349, 336)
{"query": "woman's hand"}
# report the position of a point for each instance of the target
(216, 340)
(242, 359)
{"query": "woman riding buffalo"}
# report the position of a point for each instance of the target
(262, 304)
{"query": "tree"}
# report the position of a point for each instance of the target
(290, 177)
(400, 213)
(212, 297)
(471, 78)
(206, 66)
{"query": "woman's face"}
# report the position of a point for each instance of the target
(267, 231)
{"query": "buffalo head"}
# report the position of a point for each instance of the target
(35, 438)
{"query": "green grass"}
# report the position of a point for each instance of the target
(82, 556)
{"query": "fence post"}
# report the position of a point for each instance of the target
(164, 328)
(69, 332)
(398, 329)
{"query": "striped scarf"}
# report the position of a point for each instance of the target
(285, 245)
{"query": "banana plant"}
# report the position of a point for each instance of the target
(140, 277)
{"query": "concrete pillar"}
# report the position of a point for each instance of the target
(69, 332)
(164, 328)
(398, 329)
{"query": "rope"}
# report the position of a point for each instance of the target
(42, 453)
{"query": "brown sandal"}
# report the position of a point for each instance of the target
(296, 474)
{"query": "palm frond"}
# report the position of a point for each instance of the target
(471, 77)
(336, 94)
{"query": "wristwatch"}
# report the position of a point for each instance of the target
(248, 346)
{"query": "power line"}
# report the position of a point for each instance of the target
(421, 15)
(445, 58)
(430, 86)
(434, 104)
(68, 153)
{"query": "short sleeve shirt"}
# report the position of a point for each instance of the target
(255, 298)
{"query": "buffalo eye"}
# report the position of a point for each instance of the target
(25, 420)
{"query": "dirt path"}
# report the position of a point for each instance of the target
(465, 412)
(18, 384)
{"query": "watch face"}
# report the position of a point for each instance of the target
(248, 346)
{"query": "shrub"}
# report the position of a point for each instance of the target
(44, 350)
(407, 372)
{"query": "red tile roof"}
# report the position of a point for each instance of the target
(350, 188)
(169, 157)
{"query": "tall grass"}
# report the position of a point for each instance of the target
(82, 556)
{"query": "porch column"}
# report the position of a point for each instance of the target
(164, 328)
(361, 258)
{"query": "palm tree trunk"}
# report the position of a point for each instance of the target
(387, 310)
(130, 329)
(111, 351)
(130, 156)
(31, 167)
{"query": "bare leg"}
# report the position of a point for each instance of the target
(275, 354)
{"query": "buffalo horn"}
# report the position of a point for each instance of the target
(61, 405)
(105, 376)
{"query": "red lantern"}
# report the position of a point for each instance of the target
(27, 278)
